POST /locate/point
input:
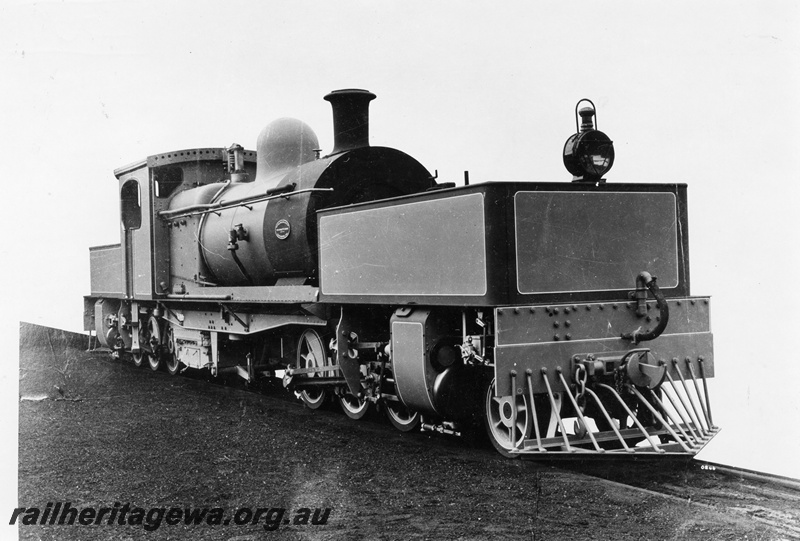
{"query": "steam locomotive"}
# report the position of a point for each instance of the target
(532, 308)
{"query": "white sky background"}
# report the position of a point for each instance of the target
(703, 93)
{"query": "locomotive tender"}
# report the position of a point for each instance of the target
(356, 277)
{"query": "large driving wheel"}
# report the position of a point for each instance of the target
(311, 354)
(170, 356)
(144, 344)
(402, 418)
(354, 407)
(500, 415)
(154, 353)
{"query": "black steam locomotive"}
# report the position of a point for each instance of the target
(356, 277)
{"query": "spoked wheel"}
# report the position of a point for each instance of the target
(138, 358)
(499, 412)
(402, 418)
(311, 354)
(171, 358)
(153, 355)
(354, 407)
(144, 344)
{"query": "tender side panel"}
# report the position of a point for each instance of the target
(532, 338)
(417, 250)
(594, 241)
(106, 271)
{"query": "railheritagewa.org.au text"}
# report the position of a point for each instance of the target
(153, 518)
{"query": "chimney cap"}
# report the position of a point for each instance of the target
(350, 92)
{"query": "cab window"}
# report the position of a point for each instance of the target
(131, 205)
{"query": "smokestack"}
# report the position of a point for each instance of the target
(350, 118)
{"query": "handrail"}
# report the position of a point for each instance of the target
(194, 210)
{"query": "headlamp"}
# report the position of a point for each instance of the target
(588, 154)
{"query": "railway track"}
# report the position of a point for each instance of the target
(741, 494)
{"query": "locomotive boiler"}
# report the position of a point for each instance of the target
(556, 314)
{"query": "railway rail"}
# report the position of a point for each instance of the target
(741, 494)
